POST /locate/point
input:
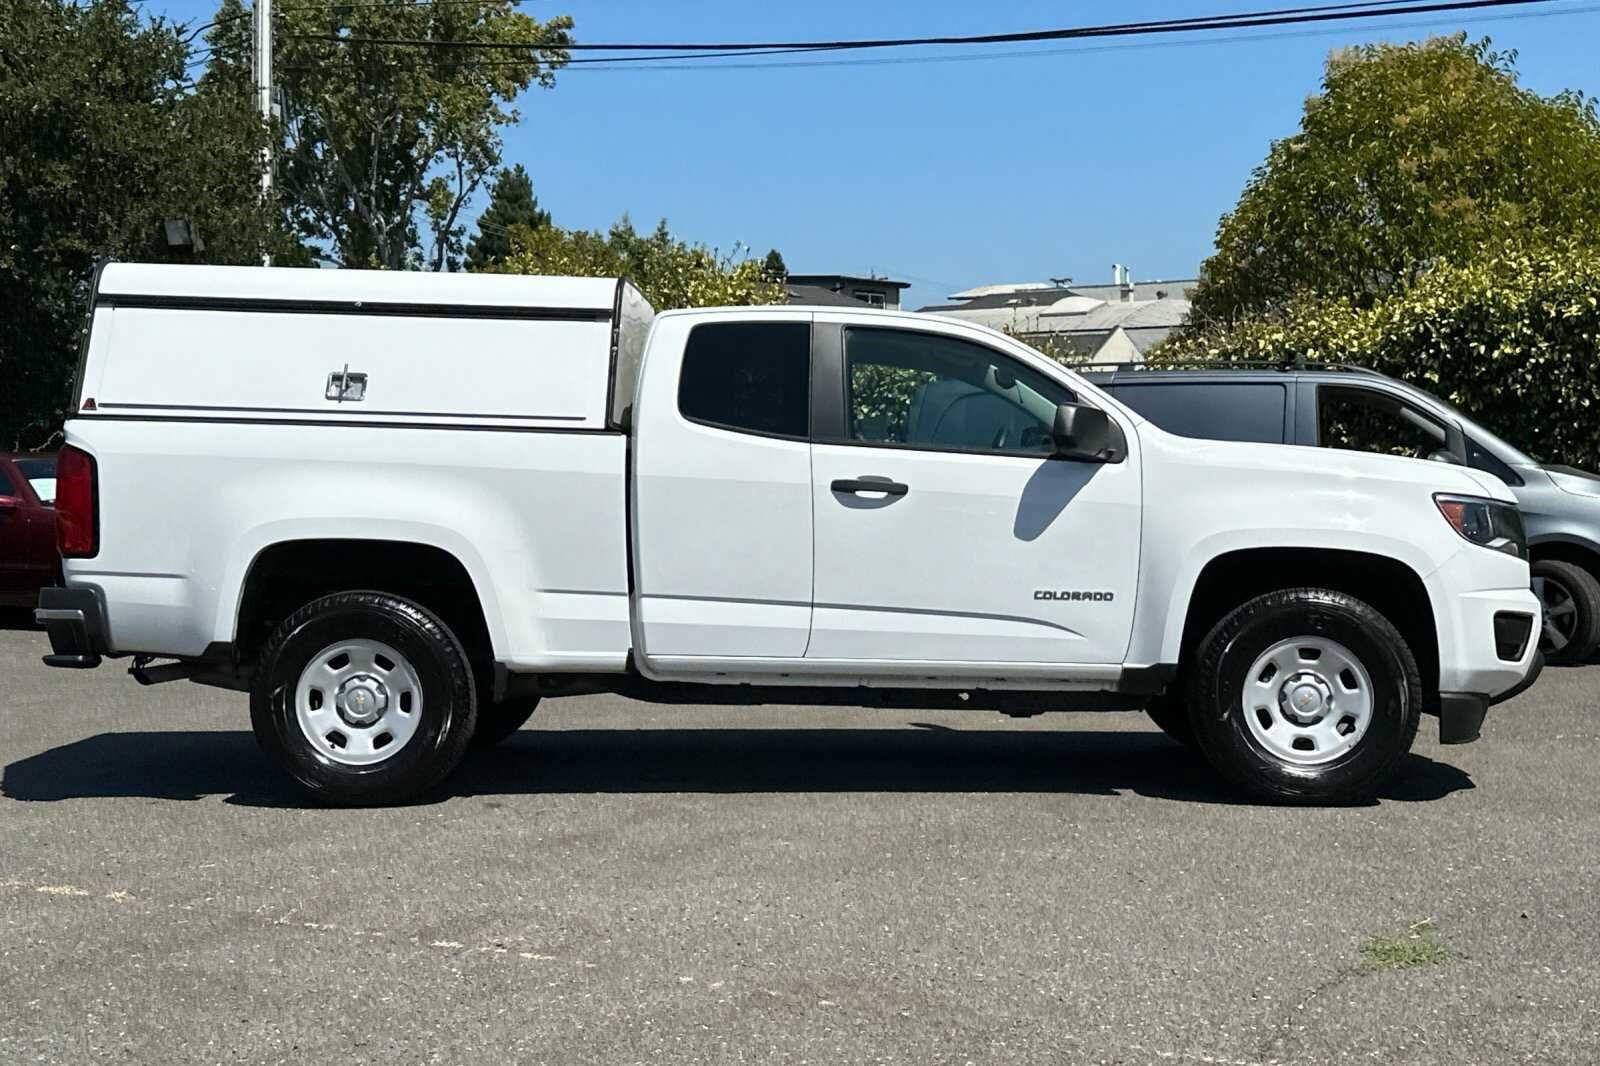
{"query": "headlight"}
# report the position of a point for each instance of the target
(1488, 523)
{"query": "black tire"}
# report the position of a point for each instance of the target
(448, 696)
(1561, 584)
(500, 721)
(1170, 711)
(1227, 654)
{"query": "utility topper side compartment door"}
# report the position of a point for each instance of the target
(721, 484)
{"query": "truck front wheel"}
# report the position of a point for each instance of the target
(364, 698)
(1305, 695)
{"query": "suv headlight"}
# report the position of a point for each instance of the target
(1487, 523)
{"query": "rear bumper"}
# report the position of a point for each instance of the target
(75, 619)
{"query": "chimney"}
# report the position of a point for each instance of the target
(1121, 278)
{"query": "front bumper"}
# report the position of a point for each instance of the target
(1461, 714)
(75, 620)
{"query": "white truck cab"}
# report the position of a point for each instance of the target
(399, 509)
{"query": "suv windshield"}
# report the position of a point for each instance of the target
(1501, 448)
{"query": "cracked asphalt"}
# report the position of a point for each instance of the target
(624, 883)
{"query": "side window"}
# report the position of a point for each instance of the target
(754, 377)
(1365, 420)
(925, 390)
(6, 486)
(1480, 458)
(1240, 411)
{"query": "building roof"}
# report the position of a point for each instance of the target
(846, 279)
(819, 296)
(1030, 293)
(1141, 314)
(979, 291)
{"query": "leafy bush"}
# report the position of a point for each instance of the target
(1512, 338)
(669, 272)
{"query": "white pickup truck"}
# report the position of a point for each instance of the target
(399, 509)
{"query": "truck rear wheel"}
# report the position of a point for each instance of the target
(1305, 695)
(364, 698)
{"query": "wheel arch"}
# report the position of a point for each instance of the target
(283, 575)
(1391, 586)
(1566, 549)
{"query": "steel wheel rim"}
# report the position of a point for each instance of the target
(1308, 701)
(358, 702)
(1560, 614)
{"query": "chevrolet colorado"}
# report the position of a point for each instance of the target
(399, 509)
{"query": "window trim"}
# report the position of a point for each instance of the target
(811, 374)
(829, 362)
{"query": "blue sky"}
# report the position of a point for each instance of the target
(950, 174)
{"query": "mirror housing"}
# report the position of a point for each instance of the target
(1087, 435)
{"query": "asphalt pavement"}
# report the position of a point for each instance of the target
(624, 883)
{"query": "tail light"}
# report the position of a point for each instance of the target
(77, 504)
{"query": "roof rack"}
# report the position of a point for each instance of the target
(1284, 365)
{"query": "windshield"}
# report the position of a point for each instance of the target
(41, 475)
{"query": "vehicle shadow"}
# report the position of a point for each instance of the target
(18, 618)
(191, 765)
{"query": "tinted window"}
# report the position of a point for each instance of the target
(748, 376)
(1365, 420)
(6, 487)
(1480, 458)
(1221, 411)
(927, 390)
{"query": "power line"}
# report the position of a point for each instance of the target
(610, 64)
(1040, 53)
(333, 5)
(1250, 20)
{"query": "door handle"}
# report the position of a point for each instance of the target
(868, 483)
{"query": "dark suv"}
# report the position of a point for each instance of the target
(1351, 407)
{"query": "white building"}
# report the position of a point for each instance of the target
(1113, 323)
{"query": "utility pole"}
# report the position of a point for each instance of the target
(262, 21)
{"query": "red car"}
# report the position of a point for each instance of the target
(28, 557)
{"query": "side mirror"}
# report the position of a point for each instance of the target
(1086, 435)
(9, 503)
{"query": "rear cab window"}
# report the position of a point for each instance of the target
(748, 377)
(1217, 410)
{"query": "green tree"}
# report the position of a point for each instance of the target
(668, 271)
(102, 137)
(511, 203)
(774, 267)
(384, 144)
(1410, 154)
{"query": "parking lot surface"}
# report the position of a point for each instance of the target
(626, 883)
